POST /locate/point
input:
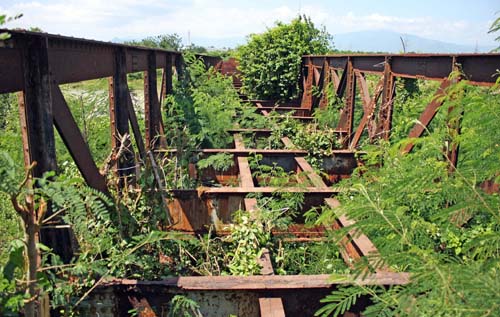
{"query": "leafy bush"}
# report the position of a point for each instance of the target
(439, 226)
(270, 62)
(205, 103)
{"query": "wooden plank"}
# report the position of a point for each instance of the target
(259, 282)
(271, 307)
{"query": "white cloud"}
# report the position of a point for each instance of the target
(105, 20)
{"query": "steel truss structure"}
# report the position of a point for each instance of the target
(35, 64)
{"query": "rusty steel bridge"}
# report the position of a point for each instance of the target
(35, 65)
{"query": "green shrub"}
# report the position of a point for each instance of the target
(270, 62)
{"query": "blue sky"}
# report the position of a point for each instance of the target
(227, 22)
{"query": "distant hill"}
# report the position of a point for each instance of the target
(364, 41)
(387, 41)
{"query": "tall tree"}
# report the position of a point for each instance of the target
(164, 41)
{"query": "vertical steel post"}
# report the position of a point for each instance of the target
(179, 67)
(384, 123)
(119, 116)
(454, 123)
(166, 79)
(307, 98)
(35, 109)
(346, 119)
(323, 103)
(151, 104)
(168, 75)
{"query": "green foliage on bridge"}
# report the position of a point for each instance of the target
(270, 62)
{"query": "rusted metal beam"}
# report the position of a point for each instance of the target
(453, 146)
(356, 244)
(335, 78)
(243, 167)
(152, 113)
(166, 84)
(272, 282)
(313, 177)
(346, 119)
(179, 67)
(246, 152)
(279, 152)
(307, 97)
(135, 127)
(76, 59)
(369, 105)
(363, 89)
(384, 119)
(36, 115)
(341, 87)
(142, 307)
(317, 76)
(71, 59)
(325, 81)
(72, 138)
(250, 204)
(266, 263)
(119, 114)
(266, 190)
(478, 69)
(38, 106)
(428, 114)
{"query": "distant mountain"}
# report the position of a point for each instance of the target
(390, 42)
(364, 41)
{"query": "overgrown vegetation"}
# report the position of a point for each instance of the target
(494, 28)
(270, 62)
(438, 222)
(428, 219)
